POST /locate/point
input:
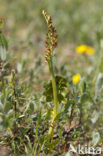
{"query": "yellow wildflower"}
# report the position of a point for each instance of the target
(85, 49)
(90, 50)
(81, 49)
(76, 78)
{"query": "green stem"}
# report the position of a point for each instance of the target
(55, 97)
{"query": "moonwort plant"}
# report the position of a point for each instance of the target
(51, 44)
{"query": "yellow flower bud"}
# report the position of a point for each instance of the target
(76, 78)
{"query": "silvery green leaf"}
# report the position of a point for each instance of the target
(21, 116)
(2, 53)
(99, 83)
(95, 116)
(96, 138)
(3, 47)
(90, 70)
(19, 67)
(68, 154)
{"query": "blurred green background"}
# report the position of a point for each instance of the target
(77, 21)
